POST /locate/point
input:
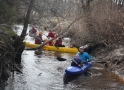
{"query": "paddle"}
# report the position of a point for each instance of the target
(80, 65)
(61, 59)
(76, 63)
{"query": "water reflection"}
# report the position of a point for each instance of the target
(67, 79)
(45, 72)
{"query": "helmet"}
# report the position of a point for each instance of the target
(40, 32)
(82, 47)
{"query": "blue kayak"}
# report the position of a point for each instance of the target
(75, 70)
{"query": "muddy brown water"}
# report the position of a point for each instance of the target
(45, 72)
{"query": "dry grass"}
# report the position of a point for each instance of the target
(106, 25)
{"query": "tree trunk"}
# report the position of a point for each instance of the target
(26, 21)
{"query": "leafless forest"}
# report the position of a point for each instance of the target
(84, 21)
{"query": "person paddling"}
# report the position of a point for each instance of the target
(76, 61)
(58, 43)
(38, 39)
(81, 57)
(51, 34)
(33, 30)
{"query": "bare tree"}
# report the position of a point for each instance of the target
(26, 21)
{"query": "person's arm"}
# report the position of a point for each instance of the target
(88, 57)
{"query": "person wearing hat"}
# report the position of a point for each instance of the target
(81, 57)
(40, 32)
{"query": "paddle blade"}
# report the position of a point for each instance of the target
(60, 59)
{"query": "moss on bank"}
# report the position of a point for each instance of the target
(9, 48)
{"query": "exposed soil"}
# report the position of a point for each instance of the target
(111, 58)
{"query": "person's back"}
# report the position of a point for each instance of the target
(51, 34)
(38, 39)
(58, 43)
(34, 30)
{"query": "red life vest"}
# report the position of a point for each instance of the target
(51, 35)
(34, 30)
(38, 40)
(59, 42)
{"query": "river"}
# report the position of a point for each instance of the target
(45, 72)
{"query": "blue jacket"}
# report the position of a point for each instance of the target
(84, 57)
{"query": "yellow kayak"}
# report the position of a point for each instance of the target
(53, 48)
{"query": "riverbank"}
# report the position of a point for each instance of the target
(112, 59)
(11, 47)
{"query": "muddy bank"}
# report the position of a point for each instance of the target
(114, 61)
(11, 48)
(111, 58)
